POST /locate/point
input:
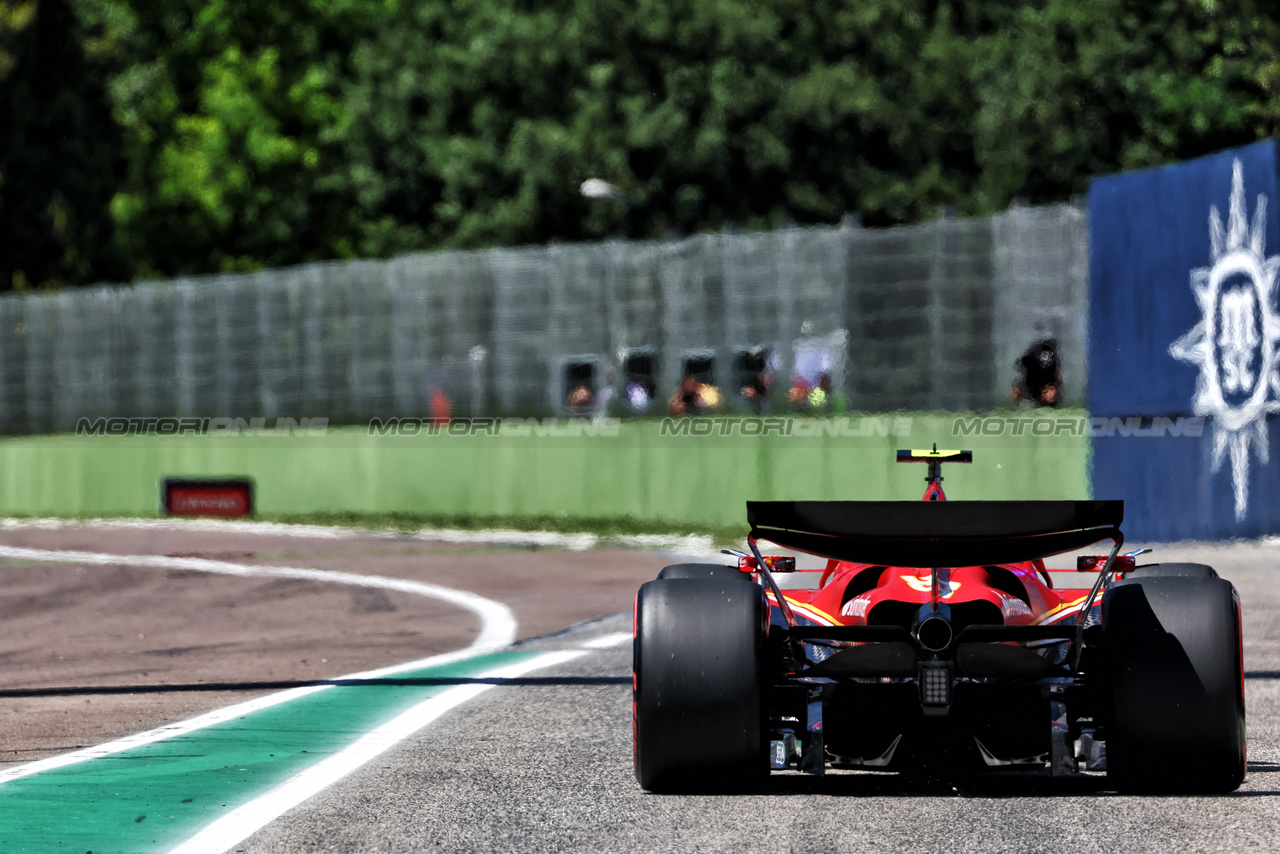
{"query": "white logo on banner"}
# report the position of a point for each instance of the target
(1236, 340)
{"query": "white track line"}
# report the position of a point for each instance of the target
(244, 821)
(498, 630)
(499, 625)
(607, 641)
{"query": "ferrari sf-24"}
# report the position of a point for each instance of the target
(937, 644)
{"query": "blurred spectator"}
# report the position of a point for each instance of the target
(580, 398)
(1040, 375)
(814, 360)
(750, 372)
(709, 396)
(637, 397)
(756, 392)
(819, 397)
(694, 398)
(604, 396)
(685, 400)
(439, 405)
(639, 371)
(798, 395)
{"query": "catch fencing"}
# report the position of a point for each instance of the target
(917, 317)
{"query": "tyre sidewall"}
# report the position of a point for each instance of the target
(698, 704)
(1174, 674)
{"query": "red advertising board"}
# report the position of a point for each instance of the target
(229, 497)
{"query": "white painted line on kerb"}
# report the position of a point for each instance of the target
(499, 625)
(244, 821)
(498, 630)
(692, 544)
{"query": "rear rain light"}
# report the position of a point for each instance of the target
(776, 563)
(935, 684)
(1095, 563)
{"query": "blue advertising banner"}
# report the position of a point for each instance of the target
(1171, 249)
(1174, 489)
(1184, 321)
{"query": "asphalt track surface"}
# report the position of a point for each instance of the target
(540, 761)
(543, 764)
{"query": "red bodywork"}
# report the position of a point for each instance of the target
(850, 594)
(1041, 601)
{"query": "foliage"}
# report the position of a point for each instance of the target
(261, 134)
(59, 151)
(1109, 85)
(230, 110)
(472, 123)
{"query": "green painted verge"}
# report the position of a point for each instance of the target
(632, 469)
(153, 797)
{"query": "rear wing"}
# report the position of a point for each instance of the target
(936, 533)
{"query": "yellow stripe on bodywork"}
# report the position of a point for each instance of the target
(1066, 607)
(808, 610)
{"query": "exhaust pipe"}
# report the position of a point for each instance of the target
(934, 634)
(933, 628)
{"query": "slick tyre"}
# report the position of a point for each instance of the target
(698, 705)
(1172, 647)
(1173, 570)
(701, 570)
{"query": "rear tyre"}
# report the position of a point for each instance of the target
(702, 570)
(1172, 647)
(698, 706)
(1173, 570)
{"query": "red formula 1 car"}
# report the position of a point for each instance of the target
(936, 643)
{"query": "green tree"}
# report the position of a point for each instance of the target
(60, 151)
(249, 135)
(1075, 89)
(472, 123)
(231, 117)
